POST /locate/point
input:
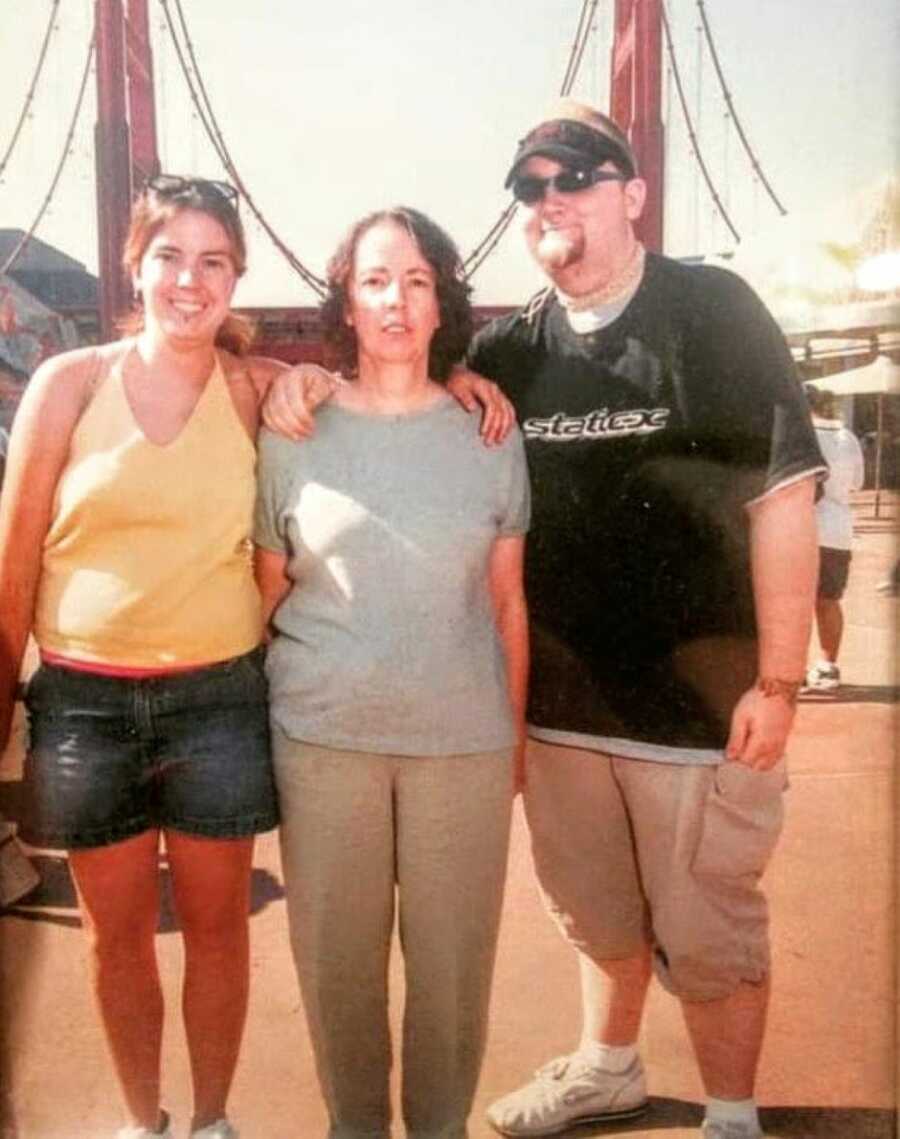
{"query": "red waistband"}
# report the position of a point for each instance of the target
(98, 668)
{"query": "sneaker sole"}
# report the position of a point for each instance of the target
(569, 1124)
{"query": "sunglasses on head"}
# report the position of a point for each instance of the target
(529, 188)
(174, 186)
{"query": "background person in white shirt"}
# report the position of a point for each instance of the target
(834, 519)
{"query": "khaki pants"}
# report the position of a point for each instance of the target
(358, 831)
(629, 851)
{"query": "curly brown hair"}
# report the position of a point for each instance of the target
(450, 340)
(150, 212)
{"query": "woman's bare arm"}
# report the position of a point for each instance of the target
(52, 404)
(511, 612)
(271, 580)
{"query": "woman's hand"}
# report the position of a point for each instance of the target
(472, 391)
(292, 398)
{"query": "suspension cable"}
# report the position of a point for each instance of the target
(66, 151)
(209, 122)
(590, 7)
(695, 142)
(492, 239)
(29, 97)
(490, 233)
(185, 69)
(487, 246)
(571, 66)
(754, 162)
(202, 103)
(201, 99)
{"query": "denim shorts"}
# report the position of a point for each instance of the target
(111, 757)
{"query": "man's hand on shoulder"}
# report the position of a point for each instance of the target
(259, 370)
(474, 391)
(292, 397)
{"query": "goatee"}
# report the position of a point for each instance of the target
(558, 250)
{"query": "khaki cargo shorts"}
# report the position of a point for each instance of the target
(630, 851)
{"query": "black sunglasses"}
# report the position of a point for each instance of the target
(528, 188)
(173, 186)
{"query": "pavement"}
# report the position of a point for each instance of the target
(829, 1066)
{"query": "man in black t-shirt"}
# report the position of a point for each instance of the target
(670, 574)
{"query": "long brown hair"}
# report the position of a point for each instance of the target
(150, 212)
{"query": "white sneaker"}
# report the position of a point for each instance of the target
(731, 1130)
(221, 1129)
(568, 1091)
(165, 1132)
(823, 677)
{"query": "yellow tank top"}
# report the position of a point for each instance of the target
(148, 561)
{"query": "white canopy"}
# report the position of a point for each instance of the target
(881, 377)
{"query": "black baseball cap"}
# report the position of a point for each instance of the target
(576, 134)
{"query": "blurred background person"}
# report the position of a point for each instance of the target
(834, 520)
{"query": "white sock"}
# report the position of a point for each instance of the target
(732, 1111)
(610, 1057)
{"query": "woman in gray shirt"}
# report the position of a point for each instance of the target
(390, 558)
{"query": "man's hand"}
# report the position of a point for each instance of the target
(474, 391)
(760, 726)
(294, 396)
(784, 558)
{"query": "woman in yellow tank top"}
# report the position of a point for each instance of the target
(124, 548)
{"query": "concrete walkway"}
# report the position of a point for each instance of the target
(829, 1065)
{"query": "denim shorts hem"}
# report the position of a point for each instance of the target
(241, 827)
(84, 840)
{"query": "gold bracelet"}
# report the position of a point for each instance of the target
(774, 686)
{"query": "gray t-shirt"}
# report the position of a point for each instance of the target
(387, 640)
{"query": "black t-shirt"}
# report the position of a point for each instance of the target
(645, 440)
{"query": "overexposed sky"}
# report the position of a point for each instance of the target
(331, 110)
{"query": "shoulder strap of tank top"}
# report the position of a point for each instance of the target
(94, 376)
(239, 370)
(101, 363)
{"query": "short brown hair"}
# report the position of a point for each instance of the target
(150, 212)
(451, 339)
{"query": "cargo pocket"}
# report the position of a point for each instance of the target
(742, 820)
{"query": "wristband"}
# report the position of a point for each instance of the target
(774, 686)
